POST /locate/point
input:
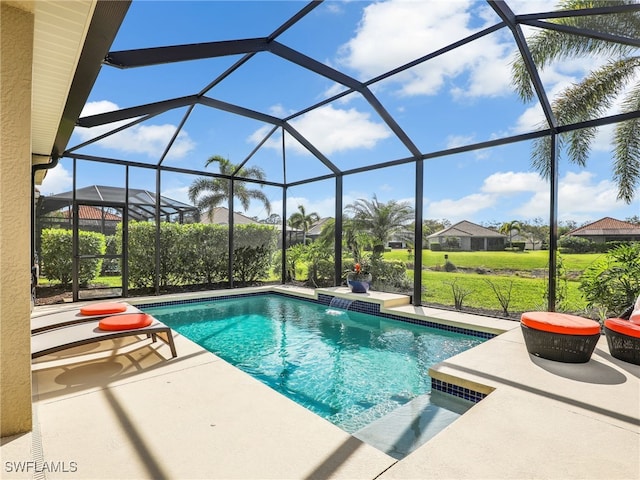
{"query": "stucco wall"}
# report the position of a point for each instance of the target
(16, 44)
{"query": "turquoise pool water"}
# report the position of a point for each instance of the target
(348, 367)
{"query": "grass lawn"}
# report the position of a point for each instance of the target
(524, 273)
(525, 293)
(104, 281)
(525, 261)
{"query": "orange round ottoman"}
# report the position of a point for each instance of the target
(623, 338)
(559, 336)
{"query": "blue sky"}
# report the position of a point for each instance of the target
(458, 98)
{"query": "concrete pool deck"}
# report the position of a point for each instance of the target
(132, 412)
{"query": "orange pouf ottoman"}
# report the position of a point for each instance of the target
(560, 336)
(623, 338)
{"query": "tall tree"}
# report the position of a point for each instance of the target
(619, 78)
(206, 193)
(508, 228)
(303, 221)
(381, 220)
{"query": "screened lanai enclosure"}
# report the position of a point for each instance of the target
(446, 146)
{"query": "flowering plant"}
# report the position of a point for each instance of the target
(359, 273)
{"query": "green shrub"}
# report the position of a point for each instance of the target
(569, 244)
(390, 275)
(254, 235)
(449, 266)
(251, 263)
(197, 253)
(612, 283)
(206, 258)
(518, 246)
(435, 247)
(111, 266)
(320, 264)
(142, 247)
(56, 255)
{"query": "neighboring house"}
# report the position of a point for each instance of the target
(529, 243)
(95, 219)
(465, 235)
(400, 239)
(316, 229)
(220, 216)
(608, 229)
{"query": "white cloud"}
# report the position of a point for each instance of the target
(460, 209)
(507, 183)
(579, 198)
(150, 140)
(57, 180)
(330, 130)
(454, 141)
(395, 32)
(179, 193)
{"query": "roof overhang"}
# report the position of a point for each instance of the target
(71, 40)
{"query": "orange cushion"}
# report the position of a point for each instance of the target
(624, 327)
(128, 321)
(104, 308)
(563, 323)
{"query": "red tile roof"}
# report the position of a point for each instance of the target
(607, 226)
(87, 212)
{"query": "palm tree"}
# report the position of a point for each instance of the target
(591, 97)
(508, 228)
(302, 221)
(381, 220)
(207, 193)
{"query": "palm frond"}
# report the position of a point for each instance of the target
(199, 185)
(626, 168)
(207, 203)
(548, 46)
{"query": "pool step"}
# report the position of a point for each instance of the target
(413, 424)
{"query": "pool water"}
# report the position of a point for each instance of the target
(348, 367)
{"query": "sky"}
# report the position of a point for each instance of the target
(459, 98)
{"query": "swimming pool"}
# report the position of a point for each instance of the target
(348, 367)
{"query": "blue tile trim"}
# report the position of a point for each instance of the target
(188, 301)
(457, 390)
(370, 308)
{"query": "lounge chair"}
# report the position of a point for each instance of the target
(59, 319)
(88, 331)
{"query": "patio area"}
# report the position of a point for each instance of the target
(130, 411)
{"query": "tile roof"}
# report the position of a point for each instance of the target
(466, 229)
(220, 216)
(316, 228)
(87, 212)
(607, 226)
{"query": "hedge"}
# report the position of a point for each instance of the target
(56, 259)
(197, 253)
